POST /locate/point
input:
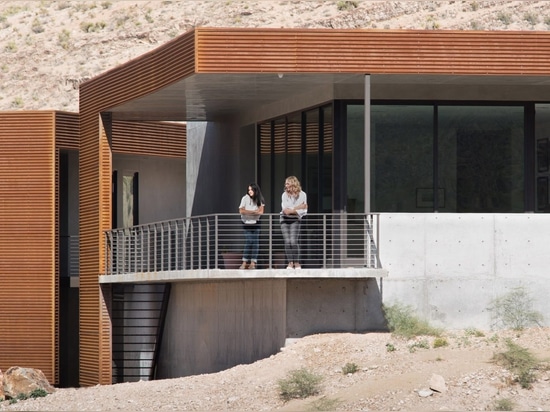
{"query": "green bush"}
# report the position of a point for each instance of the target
(350, 368)
(422, 344)
(520, 361)
(440, 342)
(503, 405)
(299, 384)
(514, 310)
(324, 404)
(403, 322)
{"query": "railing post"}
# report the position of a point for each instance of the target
(216, 241)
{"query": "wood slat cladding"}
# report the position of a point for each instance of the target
(28, 294)
(250, 50)
(150, 138)
(66, 130)
(146, 74)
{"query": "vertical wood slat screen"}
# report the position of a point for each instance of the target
(28, 334)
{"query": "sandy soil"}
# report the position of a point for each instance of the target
(386, 380)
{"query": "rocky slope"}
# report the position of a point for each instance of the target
(49, 47)
(392, 375)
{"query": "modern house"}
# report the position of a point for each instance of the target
(433, 143)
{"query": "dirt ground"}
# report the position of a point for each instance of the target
(386, 380)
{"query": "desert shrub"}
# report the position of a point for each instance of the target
(346, 5)
(474, 332)
(64, 39)
(514, 310)
(37, 26)
(421, 344)
(38, 393)
(324, 404)
(531, 18)
(504, 18)
(520, 361)
(300, 383)
(17, 102)
(390, 347)
(403, 322)
(440, 342)
(350, 367)
(503, 404)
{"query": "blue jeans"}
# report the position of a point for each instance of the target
(291, 237)
(251, 243)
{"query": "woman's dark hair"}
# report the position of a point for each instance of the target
(257, 197)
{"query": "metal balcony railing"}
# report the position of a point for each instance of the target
(336, 240)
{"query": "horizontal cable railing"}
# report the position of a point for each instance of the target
(336, 240)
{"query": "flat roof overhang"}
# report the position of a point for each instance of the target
(213, 73)
(203, 97)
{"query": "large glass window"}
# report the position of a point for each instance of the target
(481, 159)
(473, 155)
(298, 144)
(402, 144)
(542, 138)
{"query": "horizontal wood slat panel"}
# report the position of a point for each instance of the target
(150, 138)
(371, 51)
(27, 241)
(67, 130)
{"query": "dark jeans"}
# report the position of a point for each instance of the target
(291, 237)
(251, 243)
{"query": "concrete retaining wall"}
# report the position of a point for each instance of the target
(449, 267)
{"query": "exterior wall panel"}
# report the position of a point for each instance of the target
(149, 139)
(29, 291)
(66, 130)
(156, 70)
(249, 50)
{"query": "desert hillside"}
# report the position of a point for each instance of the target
(49, 47)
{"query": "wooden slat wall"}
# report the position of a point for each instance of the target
(27, 242)
(150, 72)
(251, 50)
(150, 138)
(66, 130)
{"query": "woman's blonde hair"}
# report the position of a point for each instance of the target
(294, 186)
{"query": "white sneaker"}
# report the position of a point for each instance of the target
(290, 266)
(297, 266)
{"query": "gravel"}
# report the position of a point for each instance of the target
(393, 375)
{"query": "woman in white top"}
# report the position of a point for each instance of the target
(251, 208)
(293, 208)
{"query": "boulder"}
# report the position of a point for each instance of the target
(23, 381)
(437, 383)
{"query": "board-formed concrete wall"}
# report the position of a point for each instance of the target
(217, 324)
(450, 267)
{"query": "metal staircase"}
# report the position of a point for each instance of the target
(138, 315)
